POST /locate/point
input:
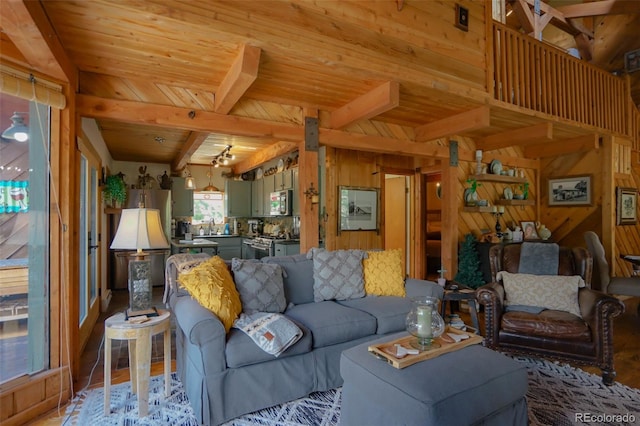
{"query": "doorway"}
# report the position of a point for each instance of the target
(433, 224)
(398, 209)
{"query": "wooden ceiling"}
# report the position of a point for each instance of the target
(177, 81)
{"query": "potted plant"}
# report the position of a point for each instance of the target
(471, 194)
(525, 190)
(114, 191)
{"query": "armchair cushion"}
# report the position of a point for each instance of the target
(547, 324)
(547, 291)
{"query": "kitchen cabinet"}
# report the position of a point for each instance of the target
(286, 248)
(229, 247)
(182, 199)
(237, 198)
(283, 180)
(257, 198)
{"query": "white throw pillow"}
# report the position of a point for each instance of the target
(558, 292)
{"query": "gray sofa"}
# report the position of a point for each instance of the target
(228, 375)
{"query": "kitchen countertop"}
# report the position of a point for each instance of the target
(196, 242)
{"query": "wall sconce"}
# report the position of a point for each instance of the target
(18, 131)
(312, 194)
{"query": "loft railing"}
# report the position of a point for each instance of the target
(534, 75)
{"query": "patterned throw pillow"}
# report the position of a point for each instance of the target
(210, 283)
(558, 292)
(260, 286)
(337, 275)
(383, 274)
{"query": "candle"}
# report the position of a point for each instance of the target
(494, 209)
(501, 209)
(479, 154)
(424, 321)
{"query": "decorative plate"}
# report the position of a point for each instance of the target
(280, 165)
(259, 173)
(496, 167)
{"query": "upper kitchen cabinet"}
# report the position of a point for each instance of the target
(182, 198)
(283, 180)
(237, 198)
(257, 198)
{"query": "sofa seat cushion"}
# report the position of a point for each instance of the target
(548, 323)
(241, 350)
(331, 323)
(390, 311)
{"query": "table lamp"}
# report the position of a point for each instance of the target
(140, 229)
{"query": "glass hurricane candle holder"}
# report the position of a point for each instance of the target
(424, 323)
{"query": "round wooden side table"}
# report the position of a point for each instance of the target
(139, 340)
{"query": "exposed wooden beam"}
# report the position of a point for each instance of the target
(27, 25)
(278, 149)
(358, 142)
(562, 147)
(458, 124)
(190, 146)
(585, 46)
(379, 100)
(559, 20)
(517, 137)
(185, 118)
(599, 8)
(524, 14)
(239, 78)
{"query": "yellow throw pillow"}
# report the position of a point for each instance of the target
(211, 284)
(383, 273)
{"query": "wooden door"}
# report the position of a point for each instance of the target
(395, 208)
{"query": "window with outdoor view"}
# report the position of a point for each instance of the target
(208, 209)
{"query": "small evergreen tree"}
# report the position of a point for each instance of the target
(469, 272)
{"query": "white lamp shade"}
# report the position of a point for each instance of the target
(140, 229)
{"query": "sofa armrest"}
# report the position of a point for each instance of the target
(598, 310)
(492, 297)
(415, 288)
(201, 328)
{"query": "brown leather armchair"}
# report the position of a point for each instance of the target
(552, 334)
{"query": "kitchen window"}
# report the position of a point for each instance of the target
(208, 205)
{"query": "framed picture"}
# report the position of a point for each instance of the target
(358, 208)
(529, 230)
(632, 61)
(627, 206)
(570, 191)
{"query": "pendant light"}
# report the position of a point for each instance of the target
(18, 131)
(210, 187)
(189, 182)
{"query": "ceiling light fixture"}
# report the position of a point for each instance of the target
(18, 131)
(189, 182)
(210, 187)
(223, 158)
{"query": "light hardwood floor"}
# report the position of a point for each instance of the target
(626, 353)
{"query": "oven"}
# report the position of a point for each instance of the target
(257, 248)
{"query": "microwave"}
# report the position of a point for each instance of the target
(280, 203)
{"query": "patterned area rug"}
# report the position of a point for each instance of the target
(558, 395)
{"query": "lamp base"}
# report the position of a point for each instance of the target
(153, 312)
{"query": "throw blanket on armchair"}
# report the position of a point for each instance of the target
(539, 258)
(273, 333)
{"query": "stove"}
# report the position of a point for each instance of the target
(261, 246)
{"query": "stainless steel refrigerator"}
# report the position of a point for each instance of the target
(119, 259)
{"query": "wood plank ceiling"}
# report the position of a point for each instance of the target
(177, 81)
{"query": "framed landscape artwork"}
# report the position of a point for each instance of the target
(570, 191)
(626, 206)
(358, 209)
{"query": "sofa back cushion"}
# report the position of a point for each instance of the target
(210, 283)
(260, 286)
(298, 277)
(337, 275)
(383, 273)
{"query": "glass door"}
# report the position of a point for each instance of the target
(88, 300)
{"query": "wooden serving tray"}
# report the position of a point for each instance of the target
(380, 350)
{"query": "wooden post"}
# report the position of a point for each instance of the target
(450, 190)
(308, 176)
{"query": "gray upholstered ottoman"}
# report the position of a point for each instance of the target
(473, 385)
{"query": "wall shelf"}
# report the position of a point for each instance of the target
(503, 202)
(486, 177)
(478, 209)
